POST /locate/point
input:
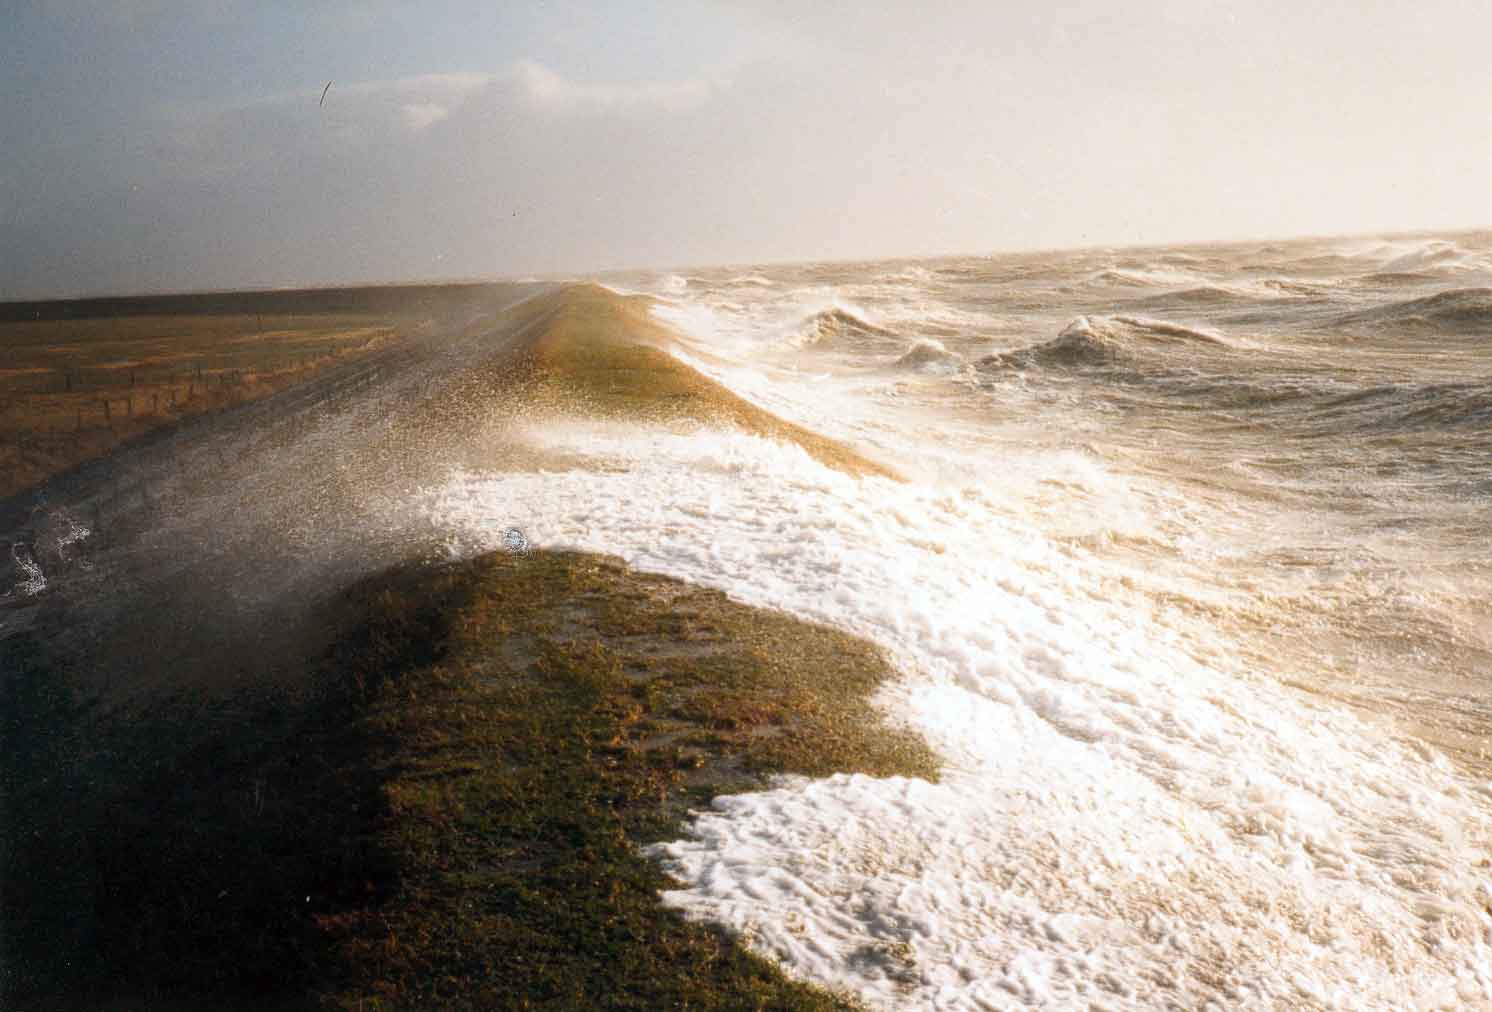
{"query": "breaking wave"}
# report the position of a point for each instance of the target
(929, 355)
(1432, 254)
(1131, 573)
(1100, 341)
(836, 328)
(1137, 278)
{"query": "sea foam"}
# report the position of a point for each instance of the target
(1129, 818)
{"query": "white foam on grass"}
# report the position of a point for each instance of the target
(1120, 826)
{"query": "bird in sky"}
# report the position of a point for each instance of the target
(323, 94)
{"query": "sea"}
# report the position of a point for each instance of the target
(1189, 583)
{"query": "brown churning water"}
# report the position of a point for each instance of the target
(1189, 583)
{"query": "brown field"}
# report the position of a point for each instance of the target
(73, 389)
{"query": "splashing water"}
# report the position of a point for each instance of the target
(1120, 822)
(1198, 624)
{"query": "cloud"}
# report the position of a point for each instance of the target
(423, 99)
(207, 140)
(447, 88)
(419, 115)
(547, 89)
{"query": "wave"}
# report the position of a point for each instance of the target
(913, 273)
(1407, 407)
(1438, 258)
(1168, 331)
(1085, 713)
(1321, 263)
(1431, 254)
(1455, 311)
(928, 355)
(1078, 725)
(1098, 341)
(1076, 346)
(1203, 295)
(1138, 278)
(1228, 293)
(1395, 278)
(836, 328)
(926, 318)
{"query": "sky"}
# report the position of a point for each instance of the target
(150, 145)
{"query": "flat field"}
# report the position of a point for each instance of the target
(73, 389)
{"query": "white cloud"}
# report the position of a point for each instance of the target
(547, 89)
(259, 142)
(365, 111)
(451, 87)
(419, 115)
(419, 96)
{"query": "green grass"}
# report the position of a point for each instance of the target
(452, 821)
(586, 352)
(450, 816)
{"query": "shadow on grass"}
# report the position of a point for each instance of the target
(449, 820)
(178, 852)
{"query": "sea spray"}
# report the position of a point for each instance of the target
(1119, 822)
(1197, 617)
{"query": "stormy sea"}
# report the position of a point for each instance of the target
(1190, 584)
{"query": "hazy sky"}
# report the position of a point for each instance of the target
(148, 144)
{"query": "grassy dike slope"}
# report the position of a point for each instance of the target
(589, 352)
(448, 816)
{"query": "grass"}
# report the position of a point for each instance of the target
(452, 821)
(73, 389)
(447, 813)
(587, 352)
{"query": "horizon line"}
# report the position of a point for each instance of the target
(558, 276)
